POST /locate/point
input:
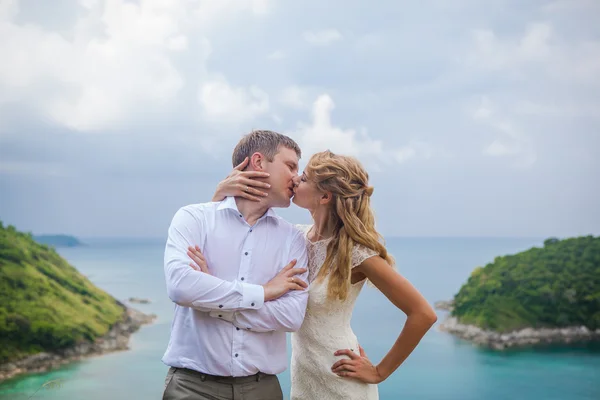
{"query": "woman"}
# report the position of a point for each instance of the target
(344, 251)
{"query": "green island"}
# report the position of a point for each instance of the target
(544, 295)
(58, 240)
(49, 312)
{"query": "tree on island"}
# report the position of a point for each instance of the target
(557, 285)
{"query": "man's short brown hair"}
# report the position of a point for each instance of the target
(265, 142)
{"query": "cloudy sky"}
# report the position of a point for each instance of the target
(474, 118)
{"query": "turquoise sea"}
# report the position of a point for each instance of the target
(442, 367)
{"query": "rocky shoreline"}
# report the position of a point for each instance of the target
(527, 337)
(116, 339)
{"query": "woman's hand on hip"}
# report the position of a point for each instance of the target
(356, 367)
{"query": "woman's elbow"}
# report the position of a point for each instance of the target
(425, 315)
(429, 316)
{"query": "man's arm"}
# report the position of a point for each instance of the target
(283, 314)
(190, 288)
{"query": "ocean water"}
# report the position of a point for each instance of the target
(442, 367)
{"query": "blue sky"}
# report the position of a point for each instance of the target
(473, 118)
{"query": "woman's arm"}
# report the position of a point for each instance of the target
(420, 318)
(285, 295)
(240, 183)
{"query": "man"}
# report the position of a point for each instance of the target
(228, 336)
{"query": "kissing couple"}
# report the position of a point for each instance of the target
(241, 277)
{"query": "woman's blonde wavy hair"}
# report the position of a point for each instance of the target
(350, 214)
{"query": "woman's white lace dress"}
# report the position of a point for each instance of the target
(326, 329)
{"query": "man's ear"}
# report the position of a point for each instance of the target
(257, 161)
(326, 198)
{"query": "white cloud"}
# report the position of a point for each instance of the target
(212, 13)
(115, 62)
(539, 53)
(276, 55)
(509, 141)
(320, 134)
(497, 54)
(295, 97)
(322, 38)
(483, 110)
(88, 3)
(498, 149)
(223, 103)
(539, 73)
(177, 43)
(414, 150)
(370, 42)
(405, 154)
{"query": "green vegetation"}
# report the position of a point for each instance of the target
(45, 303)
(57, 240)
(554, 286)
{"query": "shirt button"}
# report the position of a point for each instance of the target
(240, 215)
(246, 253)
(220, 316)
(236, 354)
(250, 230)
(242, 278)
(220, 305)
(237, 329)
(252, 304)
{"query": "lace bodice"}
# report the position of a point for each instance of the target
(317, 252)
(322, 311)
(326, 328)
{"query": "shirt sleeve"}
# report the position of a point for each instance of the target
(283, 314)
(190, 288)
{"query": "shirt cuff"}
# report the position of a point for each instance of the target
(253, 296)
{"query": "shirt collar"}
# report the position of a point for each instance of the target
(229, 203)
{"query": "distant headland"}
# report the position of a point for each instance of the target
(58, 240)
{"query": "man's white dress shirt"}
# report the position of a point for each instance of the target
(222, 325)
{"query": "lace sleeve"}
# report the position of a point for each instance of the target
(360, 253)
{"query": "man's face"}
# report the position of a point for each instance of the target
(283, 170)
